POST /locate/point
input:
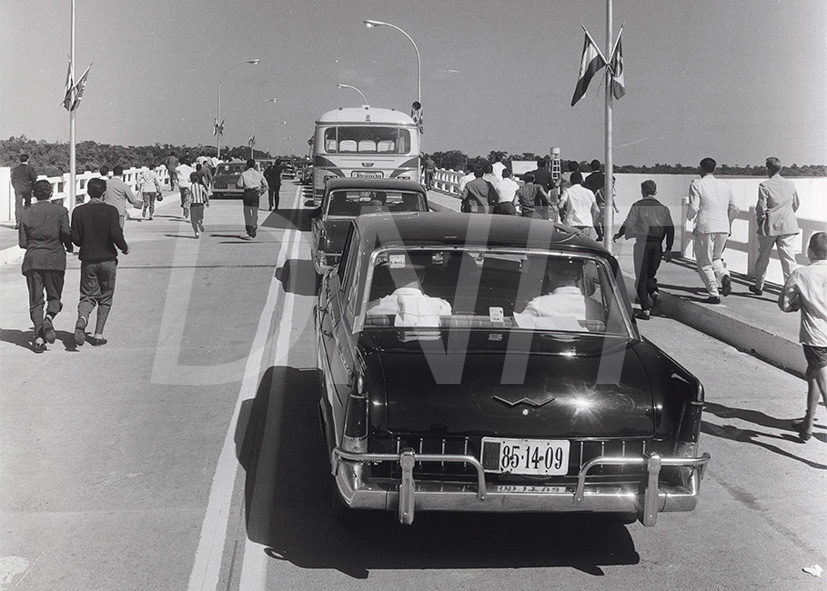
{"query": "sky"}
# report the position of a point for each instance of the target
(738, 80)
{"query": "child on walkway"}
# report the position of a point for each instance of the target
(806, 290)
(199, 199)
(648, 222)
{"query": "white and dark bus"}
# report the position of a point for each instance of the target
(364, 142)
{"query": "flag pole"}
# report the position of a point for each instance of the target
(72, 154)
(608, 198)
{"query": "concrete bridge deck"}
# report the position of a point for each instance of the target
(751, 324)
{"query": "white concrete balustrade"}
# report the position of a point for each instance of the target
(60, 187)
(742, 248)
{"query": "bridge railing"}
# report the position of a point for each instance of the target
(742, 246)
(60, 187)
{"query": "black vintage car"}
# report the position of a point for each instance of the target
(345, 199)
(492, 363)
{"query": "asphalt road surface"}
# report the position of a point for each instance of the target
(185, 454)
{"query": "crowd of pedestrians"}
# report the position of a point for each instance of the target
(579, 202)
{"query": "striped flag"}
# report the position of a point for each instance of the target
(70, 84)
(79, 87)
(616, 66)
(590, 63)
(252, 141)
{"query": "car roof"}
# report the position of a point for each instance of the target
(374, 184)
(457, 229)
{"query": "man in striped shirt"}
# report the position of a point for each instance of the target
(199, 199)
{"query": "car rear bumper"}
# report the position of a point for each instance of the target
(408, 495)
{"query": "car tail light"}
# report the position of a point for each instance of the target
(356, 419)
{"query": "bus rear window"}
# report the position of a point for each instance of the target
(367, 140)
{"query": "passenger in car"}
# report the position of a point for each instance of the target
(407, 302)
(565, 298)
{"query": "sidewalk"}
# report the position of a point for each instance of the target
(751, 324)
(10, 253)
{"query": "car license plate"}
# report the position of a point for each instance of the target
(536, 457)
(367, 174)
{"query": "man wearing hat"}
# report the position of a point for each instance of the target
(45, 235)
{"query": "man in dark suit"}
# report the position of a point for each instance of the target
(44, 233)
(23, 178)
(96, 229)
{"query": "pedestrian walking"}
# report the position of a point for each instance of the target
(649, 223)
(273, 175)
(45, 235)
(118, 193)
(182, 176)
(806, 290)
(712, 206)
(171, 163)
(199, 199)
(532, 198)
(507, 194)
(429, 172)
(254, 185)
(95, 229)
(596, 179)
(777, 224)
(601, 206)
(542, 175)
(478, 196)
(579, 207)
(23, 178)
(497, 166)
(465, 179)
(149, 190)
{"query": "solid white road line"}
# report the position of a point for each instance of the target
(207, 565)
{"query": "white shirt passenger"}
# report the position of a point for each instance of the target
(411, 307)
(565, 300)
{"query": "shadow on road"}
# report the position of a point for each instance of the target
(288, 493)
(751, 435)
(285, 219)
(298, 277)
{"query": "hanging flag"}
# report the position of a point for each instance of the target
(252, 141)
(218, 128)
(616, 66)
(215, 127)
(590, 63)
(70, 84)
(77, 91)
(421, 119)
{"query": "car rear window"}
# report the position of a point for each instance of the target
(353, 203)
(468, 288)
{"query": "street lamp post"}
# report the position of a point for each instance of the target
(252, 110)
(371, 23)
(364, 99)
(219, 126)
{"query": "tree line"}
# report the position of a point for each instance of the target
(457, 160)
(52, 159)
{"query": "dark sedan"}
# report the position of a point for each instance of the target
(492, 363)
(345, 199)
(225, 178)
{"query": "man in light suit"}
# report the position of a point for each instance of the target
(777, 224)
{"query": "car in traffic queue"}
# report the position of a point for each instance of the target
(225, 178)
(346, 199)
(491, 363)
(288, 169)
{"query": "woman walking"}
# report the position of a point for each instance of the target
(149, 187)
